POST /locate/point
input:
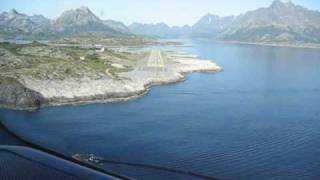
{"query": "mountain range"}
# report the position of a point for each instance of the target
(72, 22)
(280, 22)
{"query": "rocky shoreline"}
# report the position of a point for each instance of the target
(26, 93)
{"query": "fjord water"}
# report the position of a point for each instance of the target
(258, 119)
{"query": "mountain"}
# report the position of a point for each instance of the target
(14, 25)
(117, 26)
(161, 30)
(211, 25)
(280, 22)
(81, 20)
(40, 20)
(156, 30)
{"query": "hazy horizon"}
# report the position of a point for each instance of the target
(174, 13)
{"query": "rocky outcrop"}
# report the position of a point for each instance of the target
(14, 94)
(85, 90)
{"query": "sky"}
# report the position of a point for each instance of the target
(172, 12)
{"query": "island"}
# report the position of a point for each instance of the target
(35, 75)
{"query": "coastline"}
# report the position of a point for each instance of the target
(123, 99)
(133, 96)
(134, 84)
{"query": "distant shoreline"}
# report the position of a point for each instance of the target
(302, 46)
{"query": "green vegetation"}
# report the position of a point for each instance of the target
(107, 40)
(95, 63)
(42, 61)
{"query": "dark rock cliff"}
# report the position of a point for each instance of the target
(14, 94)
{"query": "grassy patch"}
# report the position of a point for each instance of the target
(59, 62)
(95, 63)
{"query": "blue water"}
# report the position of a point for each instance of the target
(258, 119)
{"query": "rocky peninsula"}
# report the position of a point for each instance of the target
(37, 75)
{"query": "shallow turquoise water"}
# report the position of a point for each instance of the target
(258, 119)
